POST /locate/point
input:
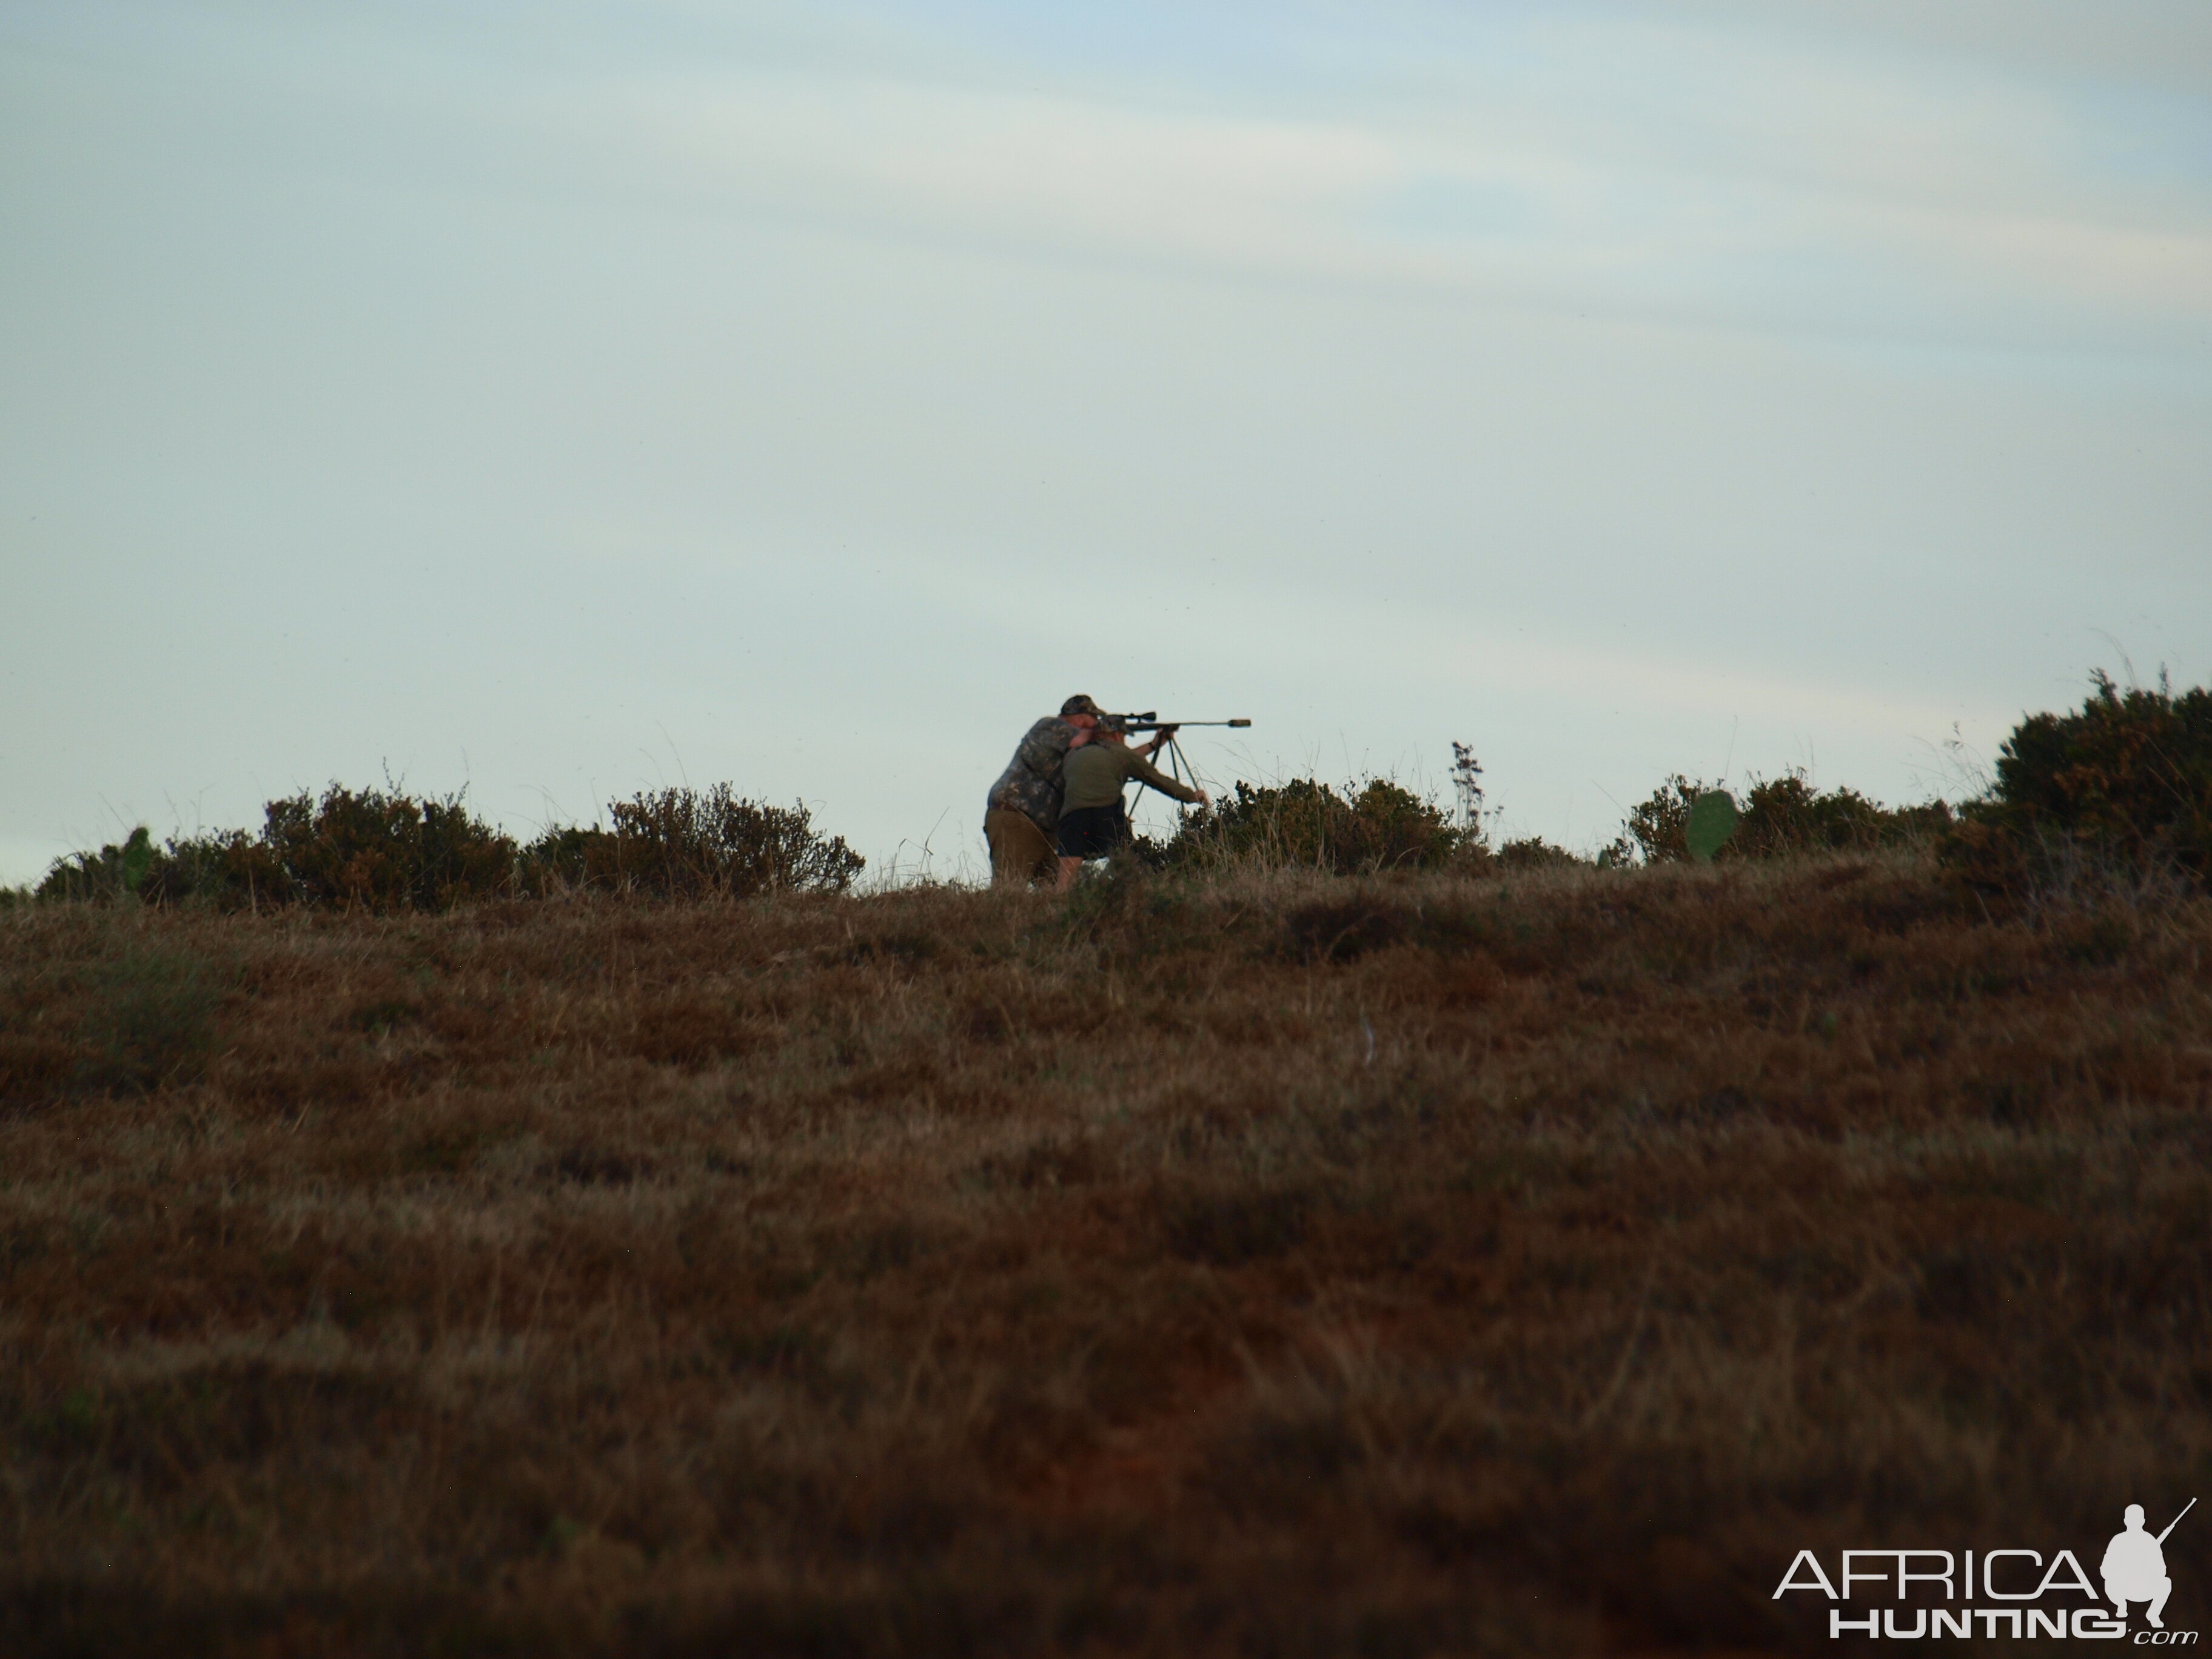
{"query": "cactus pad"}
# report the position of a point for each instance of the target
(1712, 820)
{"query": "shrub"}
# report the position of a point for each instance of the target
(1535, 853)
(683, 843)
(1780, 817)
(2127, 780)
(383, 852)
(364, 849)
(1306, 824)
(227, 868)
(368, 849)
(111, 873)
(1659, 826)
(224, 868)
(1787, 815)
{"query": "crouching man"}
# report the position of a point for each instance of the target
(1092, 822)
(2135, 1568)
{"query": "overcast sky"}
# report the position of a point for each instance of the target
(563, 399)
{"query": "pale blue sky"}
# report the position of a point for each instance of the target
(563, 399)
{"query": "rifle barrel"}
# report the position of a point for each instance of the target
(2176, 1522)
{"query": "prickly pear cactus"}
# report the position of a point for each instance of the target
(1712, 820)
(137, 859)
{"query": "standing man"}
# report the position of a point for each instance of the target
(1092, 821)
(1023, 809)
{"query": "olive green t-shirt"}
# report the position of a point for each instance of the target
(1093, 775)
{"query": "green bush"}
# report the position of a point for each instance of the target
(2127, 780)
(1307, 823)
(111, 873)
(1780, 817)
(683, 843)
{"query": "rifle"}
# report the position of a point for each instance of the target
(1150, 720)
(2176, 1522)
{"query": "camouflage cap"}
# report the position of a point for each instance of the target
(1080, 705)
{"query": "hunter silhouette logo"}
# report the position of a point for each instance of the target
(2135, 1565)
(2133, 1570)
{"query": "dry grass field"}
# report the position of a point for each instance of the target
(1275, 1266)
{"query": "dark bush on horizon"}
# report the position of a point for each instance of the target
(378, 852)
(371, 850)
(1781, 816)
(367, 849)
(1533, 853)
(113, 872)
(2127, 780)
(204, 867)
(1307, 824)
(683, 843)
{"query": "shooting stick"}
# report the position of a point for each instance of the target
(1173, 753)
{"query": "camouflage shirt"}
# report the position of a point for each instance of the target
(1031, 783)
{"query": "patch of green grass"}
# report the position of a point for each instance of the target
(151, 1023)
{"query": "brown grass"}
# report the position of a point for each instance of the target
(1281, 1266)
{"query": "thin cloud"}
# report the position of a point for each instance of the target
(1636, 166)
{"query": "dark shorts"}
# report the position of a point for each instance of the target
(1092, 832)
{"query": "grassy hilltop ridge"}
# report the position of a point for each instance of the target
(1274, 1263)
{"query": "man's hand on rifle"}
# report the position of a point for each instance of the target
(1159, 740)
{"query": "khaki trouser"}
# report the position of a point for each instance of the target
(1020, 851)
